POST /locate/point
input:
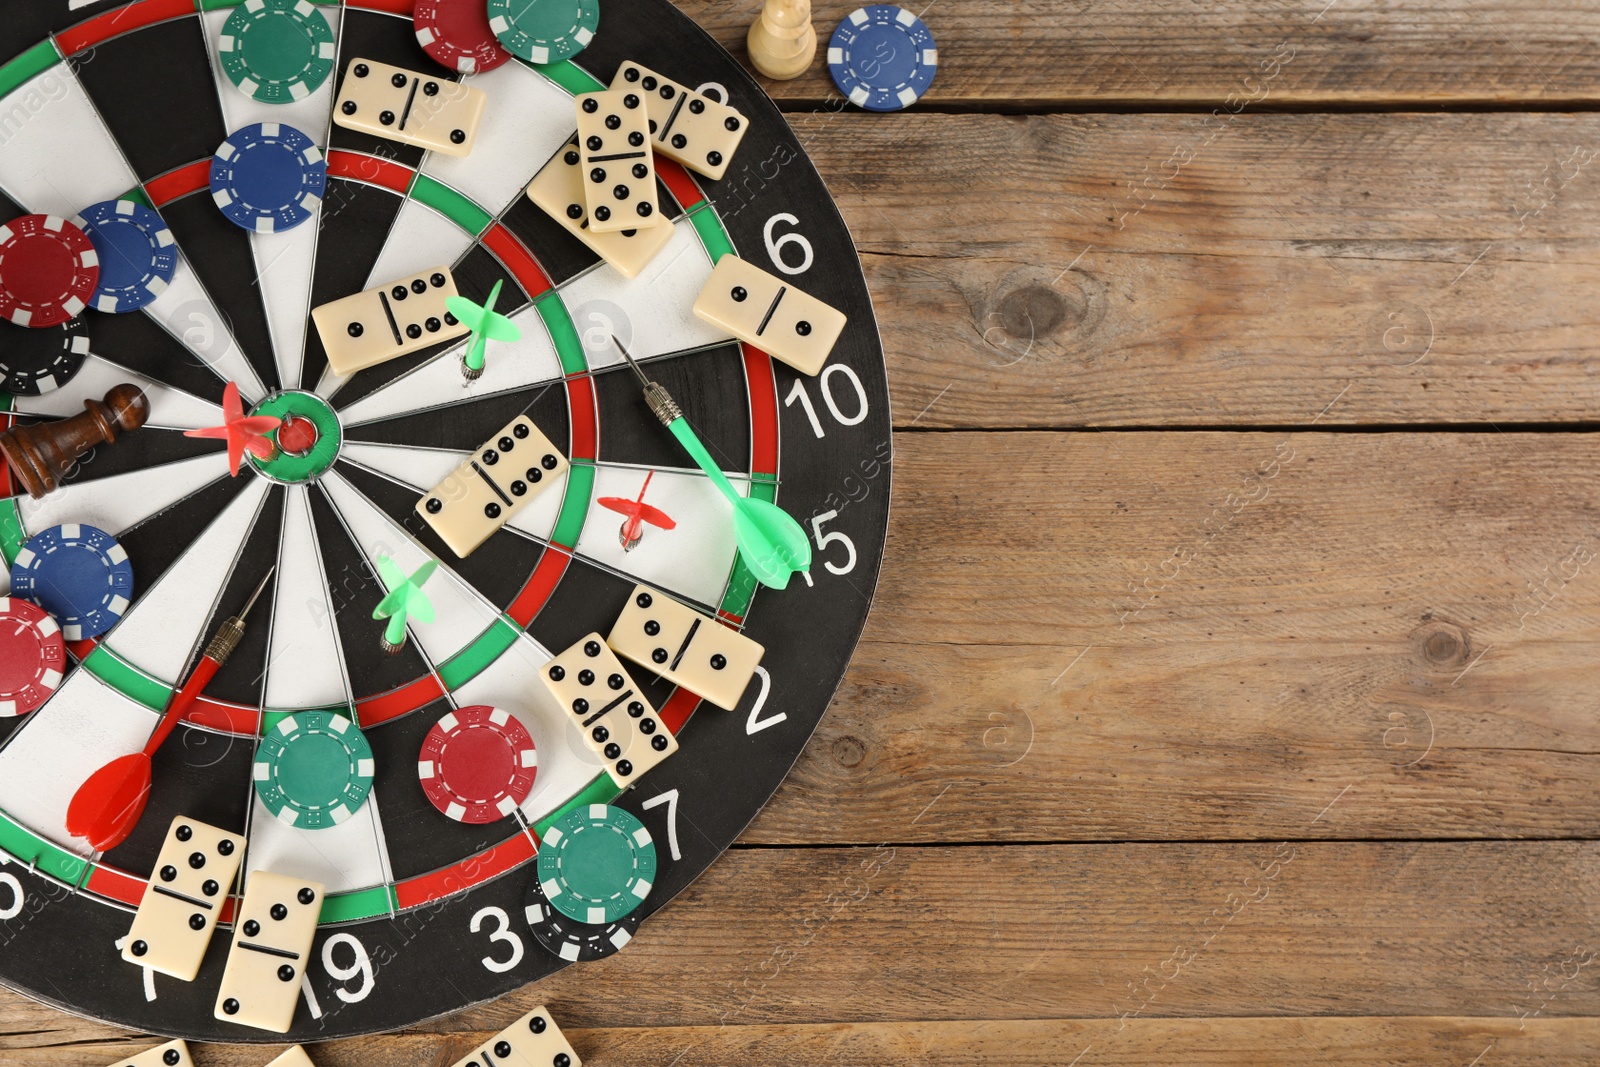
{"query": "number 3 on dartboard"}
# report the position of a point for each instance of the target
(501, 932)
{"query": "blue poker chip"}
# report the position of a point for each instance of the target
(79, 574)
(882, 57)
(268, 178)
(137, 255)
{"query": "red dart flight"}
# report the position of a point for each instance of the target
(240, 431)
(637, 513)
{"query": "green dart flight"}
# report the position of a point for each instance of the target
(406, 601)
(486, 325)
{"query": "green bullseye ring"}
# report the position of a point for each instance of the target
(293, 469)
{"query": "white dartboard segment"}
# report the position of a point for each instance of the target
(56, 120)
(345, 857)
(305, 665)
(66, 125)
(120, 501)
(187, 312)
(167, 620)
(527, 119)
(284, 261)
(461, 615)
(84, 726)
(170, 407)
(693, 559)
(419, 239)
(410, 465)
(520, 364)
(652, 314)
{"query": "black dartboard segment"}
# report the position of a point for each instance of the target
(424, 915)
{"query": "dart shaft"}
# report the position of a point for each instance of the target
(691, 443)
(185, 699)
(218, 649)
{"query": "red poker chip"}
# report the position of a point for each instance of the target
(477, 764)
(48, 271)
(32, 657)
(456, 34)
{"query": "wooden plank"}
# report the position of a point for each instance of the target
(1380, 1042)
(1368, 269)
(1135, 636)
(1032, 54)
(788, 937)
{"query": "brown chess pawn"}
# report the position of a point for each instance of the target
(782, 41)
(42, 455)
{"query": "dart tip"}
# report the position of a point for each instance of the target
(631, 362)
(257, 594)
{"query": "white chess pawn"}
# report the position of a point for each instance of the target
(782, 41)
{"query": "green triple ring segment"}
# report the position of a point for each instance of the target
(296, 470)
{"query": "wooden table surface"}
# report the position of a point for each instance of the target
(1231, 693)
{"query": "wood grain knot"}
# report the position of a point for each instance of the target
(1442, 644)
(849, 751)
(1034, 312)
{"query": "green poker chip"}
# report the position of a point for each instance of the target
(277, 51)
(313, 770)
(544, 31)
(597, 864)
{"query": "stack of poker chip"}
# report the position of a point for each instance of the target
(596, 867)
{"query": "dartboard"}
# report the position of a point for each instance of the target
(424, 914)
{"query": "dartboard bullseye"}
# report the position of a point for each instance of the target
(462, 622)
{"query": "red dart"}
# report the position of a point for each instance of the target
(240, 431)
(107, 807)
(638, 513)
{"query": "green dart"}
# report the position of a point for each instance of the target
(486, 325)
(406, 601)
(773, 545)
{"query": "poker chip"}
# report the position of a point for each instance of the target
(571, 940)
(456, 34)
(268, 177)
(79, 574)
(882, 57)
(477, 764)
(277, 51)
(137, 255)
(597, 864)
(544, 31)
(313, 770)
(48, 271)
(40, 361)
(32, 657)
